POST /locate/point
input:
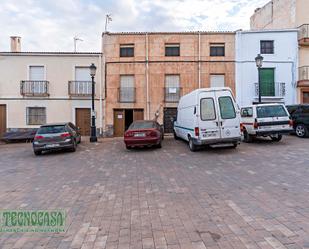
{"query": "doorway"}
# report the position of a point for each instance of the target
(2, 120)
(169, 114)
(267, 77)
(83, 120)
(123, 118)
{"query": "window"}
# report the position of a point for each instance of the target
(217, 80)
(267, 47)
(36, 73)
(127, 50)
(172, 49)
(172, 90)
(227, 109)
(127, 90)
(246, 112)
(217, 49)
(271, 111)
(208, 109)
(36, 115)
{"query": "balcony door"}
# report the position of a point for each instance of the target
(82, 84)
(36, 77)
(267, 77)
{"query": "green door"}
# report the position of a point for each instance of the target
(267, 78)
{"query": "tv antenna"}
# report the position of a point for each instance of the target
(76, 39)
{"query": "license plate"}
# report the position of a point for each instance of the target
(52, 145)
(139, 134)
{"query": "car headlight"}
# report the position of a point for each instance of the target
(67, 140)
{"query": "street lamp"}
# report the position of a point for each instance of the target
(259, 64)
(93, 137)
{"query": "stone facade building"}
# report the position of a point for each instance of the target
(147, 73)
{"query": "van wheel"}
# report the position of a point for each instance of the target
(276, 138)
(192, 146)
(301, 131)
(234, 145)
(247, 137)
(175, 136)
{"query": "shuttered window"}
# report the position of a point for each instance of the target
(172, 89)
(217, 49)
(172, 49)
(36, 73)
(36, 115)
(127, 89)
(82, 74)
(267, 47)
(127, 50)
(82, 84)
(217, 80)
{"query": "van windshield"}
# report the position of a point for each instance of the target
(271, 111)
(51, 129)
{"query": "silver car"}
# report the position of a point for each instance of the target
(56, 137)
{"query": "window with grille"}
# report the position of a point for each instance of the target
(127, 50)
(36, 115)
(267, 47)
(127, 89)
(172, 89)
(172, 49)
(217, 49)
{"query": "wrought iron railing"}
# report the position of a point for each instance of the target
(303, 32)
(34, 88)
(303, 73)
(80, 88)
(172, 94)
(126, 94)
(273, 89)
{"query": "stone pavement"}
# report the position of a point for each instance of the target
(254, 197)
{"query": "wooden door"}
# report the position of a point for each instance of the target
(2, 120)
(267, 77)
(83, 120)
(119, 123)
(306, 97)
(138, 114)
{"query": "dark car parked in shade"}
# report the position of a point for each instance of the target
(300, 117)
(144, 133)
(56, 137)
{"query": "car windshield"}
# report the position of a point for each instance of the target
(271, 111)
(141, 125)
(51, 129)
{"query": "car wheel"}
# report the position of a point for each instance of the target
(192, 146)
(128, 147)
(276, 138)
(247, 137)
(175, 136)
(73, 149)
(37, 152)
(301, 130)
(159, 145)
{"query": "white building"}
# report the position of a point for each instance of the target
(278, 74)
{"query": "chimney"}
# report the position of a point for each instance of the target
(15, 44)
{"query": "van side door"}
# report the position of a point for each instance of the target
(229, 116)
(208, 121)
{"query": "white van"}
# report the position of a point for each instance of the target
(208, 116)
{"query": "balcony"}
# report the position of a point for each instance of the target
(303, 35)
(80, 88)
(34, 88)
(126, 94)
(172, 94)
(272, 91)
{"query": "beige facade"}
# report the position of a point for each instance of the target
(40, 88)
(278, 14)
(153, 73)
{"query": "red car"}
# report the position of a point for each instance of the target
(144, 133)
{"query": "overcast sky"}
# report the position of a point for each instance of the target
(50, 25)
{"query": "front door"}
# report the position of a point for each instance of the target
(169, 115)
(2, 120)
(83, 120)
(208, 118)
(229, 120)
(267, 78)
(119, 123)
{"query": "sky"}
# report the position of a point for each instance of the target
(51, 25)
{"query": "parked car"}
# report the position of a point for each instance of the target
(208, 116)
(144, 133)
(265, 120)
(300, 117)
(56, 137)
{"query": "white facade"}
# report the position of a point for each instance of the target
(283, 61)
(59, 102)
